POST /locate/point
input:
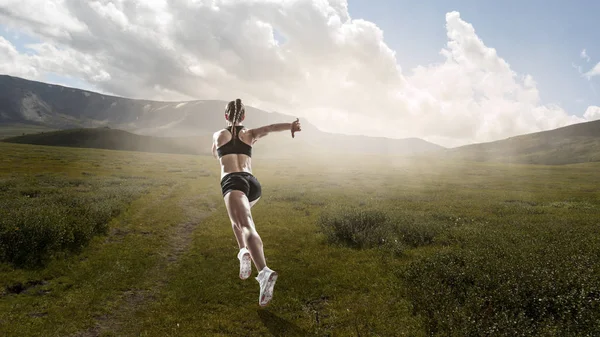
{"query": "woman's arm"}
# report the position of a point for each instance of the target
(265, 130)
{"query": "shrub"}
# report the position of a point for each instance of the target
(506, 286)
(44, 216)
(417, 234)
(367, 226)
(356, 227)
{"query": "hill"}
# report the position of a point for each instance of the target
(105, 138)
(25, 102)
(576, 143)
(13, 130)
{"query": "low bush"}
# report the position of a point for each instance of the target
(418, 233)
(503, 284)
(46, 215)
(357, 227)
(368, 226)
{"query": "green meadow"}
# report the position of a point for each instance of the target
(115, 243)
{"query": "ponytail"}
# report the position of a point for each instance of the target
(235, 111)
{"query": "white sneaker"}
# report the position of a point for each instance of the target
(245, 263)
(266, 278)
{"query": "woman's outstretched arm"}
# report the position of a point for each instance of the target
(265, 130)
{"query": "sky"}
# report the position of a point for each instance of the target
(450, 72)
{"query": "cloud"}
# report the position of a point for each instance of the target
(595, 71)
(592, 113)
(334, 70)
(584, 55)
(577, 67)
(11, 62)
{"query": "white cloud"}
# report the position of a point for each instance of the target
(592, 113)
(584, 55)
(334, 70)
(593, 72)
(11, 62)
(48, 18)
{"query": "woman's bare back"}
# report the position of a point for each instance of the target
(233, 162)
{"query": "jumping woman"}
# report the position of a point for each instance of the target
(241, 190)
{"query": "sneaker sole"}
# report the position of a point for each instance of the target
(267, 296)
(245, 266)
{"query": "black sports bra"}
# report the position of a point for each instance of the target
(235, 146)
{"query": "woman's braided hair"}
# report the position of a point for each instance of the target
(235, 110)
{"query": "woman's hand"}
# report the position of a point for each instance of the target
(296, 126)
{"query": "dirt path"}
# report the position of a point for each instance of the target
(179, 238)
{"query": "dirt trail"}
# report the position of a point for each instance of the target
(180, 237)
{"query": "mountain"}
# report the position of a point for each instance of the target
(577, 143)
(31, 106)
(25, 102)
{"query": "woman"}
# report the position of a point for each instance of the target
(241, 190)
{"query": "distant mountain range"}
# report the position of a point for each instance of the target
(88, 119)
(25, 102)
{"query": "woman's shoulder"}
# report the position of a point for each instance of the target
(218, 133)
(245, 134)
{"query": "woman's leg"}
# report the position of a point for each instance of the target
(254, 202)
(239, 236)
(238, 209)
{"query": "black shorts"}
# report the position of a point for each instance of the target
(242, 181)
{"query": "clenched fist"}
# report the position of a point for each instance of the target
(296, 126)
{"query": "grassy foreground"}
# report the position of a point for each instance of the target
(363, 249)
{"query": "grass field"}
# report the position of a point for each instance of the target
(138, 244)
